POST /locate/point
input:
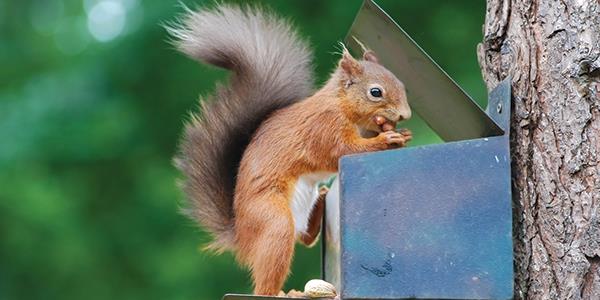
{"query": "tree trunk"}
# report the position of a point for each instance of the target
(551, 49)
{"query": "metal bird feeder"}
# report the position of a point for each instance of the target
(427, 222)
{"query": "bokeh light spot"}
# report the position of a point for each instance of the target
(106, 20)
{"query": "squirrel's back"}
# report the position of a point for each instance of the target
(271, 68)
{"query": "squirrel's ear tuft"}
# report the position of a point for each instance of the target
(349, 65)
(369, 55)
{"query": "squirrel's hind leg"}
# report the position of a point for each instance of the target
(266, 238)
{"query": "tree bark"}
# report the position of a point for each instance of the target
(551, 49)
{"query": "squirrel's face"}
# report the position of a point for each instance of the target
(372, 91)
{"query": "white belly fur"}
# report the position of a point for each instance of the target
(305, 195)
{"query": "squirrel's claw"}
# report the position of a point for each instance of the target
(394, 139)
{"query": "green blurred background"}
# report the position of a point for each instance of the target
(92, 103)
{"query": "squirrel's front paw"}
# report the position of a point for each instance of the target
(406, 133)
(394, 139)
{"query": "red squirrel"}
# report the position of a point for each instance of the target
(253, 159)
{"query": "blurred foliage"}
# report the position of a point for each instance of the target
(92, 103)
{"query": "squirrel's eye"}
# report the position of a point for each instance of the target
(376, 92)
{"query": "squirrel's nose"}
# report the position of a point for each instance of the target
(398, 114)
(405, 114)
(402, 114)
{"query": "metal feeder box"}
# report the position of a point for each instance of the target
(428, 222)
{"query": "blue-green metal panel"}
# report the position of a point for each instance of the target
(430, 222)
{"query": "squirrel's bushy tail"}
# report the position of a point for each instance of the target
(271, 68)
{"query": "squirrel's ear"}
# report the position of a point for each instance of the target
(369, 55)
(349, 65)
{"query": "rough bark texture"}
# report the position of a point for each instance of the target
(551, 48)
